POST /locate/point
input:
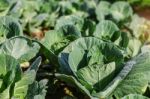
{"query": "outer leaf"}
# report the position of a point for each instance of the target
(102, 10)
(21, 48)
(35, 65)
(7, 63)
(134, 96)
(137, 79)
(48, 53)
(1, 81)
(16, 8)
(117, 80)
(70, 20)
(121, 11)
(37, 90)
(10, 72)
(37, 20)
(106, 29)
(124, 40)
(55, 41)
(3, 5)
(9, 27)
(133, 78)
(52, 37)
(21, 87)
(70, 29)
(5, 94)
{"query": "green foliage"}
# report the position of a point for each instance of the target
(9, 27)
(134, 96)
(15, 83)
(21, 48)
(118, 11)
(82, 49)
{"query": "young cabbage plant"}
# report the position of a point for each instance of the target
(119, 11)
(97, 73)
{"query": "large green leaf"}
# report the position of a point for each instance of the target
(35, 65)
(88, 27)
(21, 87)
(97, 76)
(10, 72)
(5, 94)
(16, 89)
(114, 83)
(21, 48)
(4, 6)
(70, 25)
(106, 29)
(137, 79)
(52, 37)
(121, 11)
(56, 40)
(7, 63)
(16, 8)
(49, 54)
(37, 90)
(70, 20)
(70, 29)
(134, 96)
(133, 78)
(102, 10)
(124, 40)
(9, 27)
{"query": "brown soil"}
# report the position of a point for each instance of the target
(143, 12)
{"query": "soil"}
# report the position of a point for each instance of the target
(143, 11)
